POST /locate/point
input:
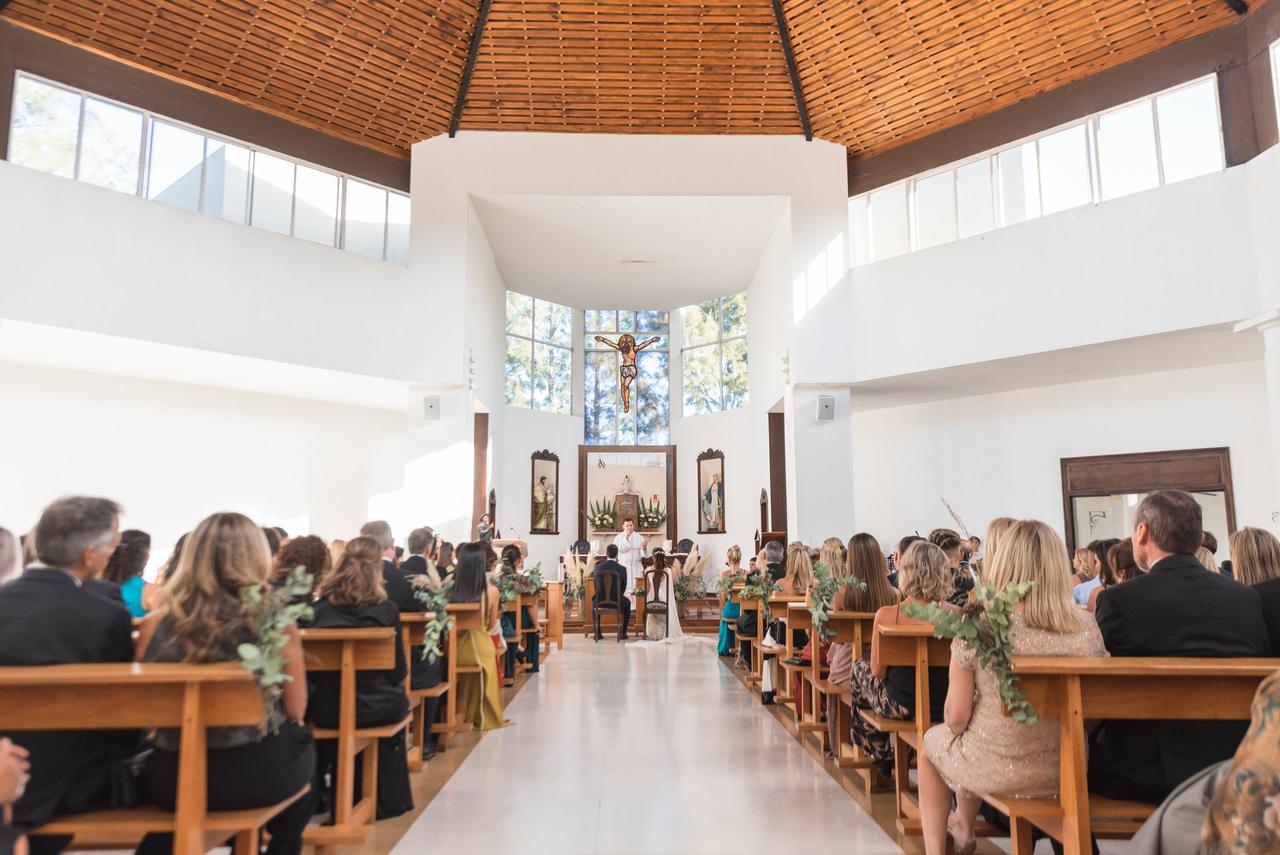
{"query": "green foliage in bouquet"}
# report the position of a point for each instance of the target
(823, 594)
(601, 515)
(435, 597)
(760, 587)
(270, 612)
(650, 514)
(725, 584)
(689, 586)
(574, 591)
(511, 585)
(985, 623)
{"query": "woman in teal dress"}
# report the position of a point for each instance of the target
(729, 612)
(125, 569)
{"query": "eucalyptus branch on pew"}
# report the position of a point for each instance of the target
(985, 623)
(434, 595)
(270, 612)
(823, 594)
(725, 586)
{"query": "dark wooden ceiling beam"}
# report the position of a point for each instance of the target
(482, 16)
(785, 34)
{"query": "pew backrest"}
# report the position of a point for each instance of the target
(914, 646)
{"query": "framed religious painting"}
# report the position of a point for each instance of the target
(711, 492)
(545, 493)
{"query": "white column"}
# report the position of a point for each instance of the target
(1268, 324)
(819, 465)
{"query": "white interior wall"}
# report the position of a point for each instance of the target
(999, 454)
(524, 432)
(1172, 258)
(174, 453)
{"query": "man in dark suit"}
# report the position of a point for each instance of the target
(1269, 592)
(423, 551)
(1177, 609)
(51, 615)
(400, 590)
(611, 567)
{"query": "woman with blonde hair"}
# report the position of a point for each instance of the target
(925, 576)
(353, 596)
(1255, 555)
(729, 610)
(978, 749)
(204, 619)
(839, 656)
(866, 562)
(336, 548)
(799, 576)
(996, 530)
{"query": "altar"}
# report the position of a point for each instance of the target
(617, 483)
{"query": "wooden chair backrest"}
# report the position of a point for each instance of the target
(852, 628)
(363, 649)
(414, 625)
(190, 698)
(608, 592)
(467, 616)
(655, 583)
(914, 645)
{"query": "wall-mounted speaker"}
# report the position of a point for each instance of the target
(431, 408)
(826, 408)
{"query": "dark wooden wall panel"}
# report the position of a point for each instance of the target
(480, 480)
(778, 470)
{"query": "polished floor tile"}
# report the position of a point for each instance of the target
(641, 751)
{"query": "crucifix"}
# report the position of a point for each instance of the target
(626, 345)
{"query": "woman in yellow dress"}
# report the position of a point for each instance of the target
(481, 704)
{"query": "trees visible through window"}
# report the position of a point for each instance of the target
(539, 354)
(714, 355)
(648, 420)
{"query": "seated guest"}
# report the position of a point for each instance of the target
(273, 539)
(336, 548)
(1174, 609)
(444, 562)
(839, 655)
(866, 562)
(352, 597)
(10, 555)
(796, 583)
(978, 749)
(1255, 559)
(124, 569)
(729, 610)
(891, 692)
(1097, 564)
(203, 619)
(513, 565)
(172, 561)
(610, 566)
(771, 559)
(481, 705)
(48, 616)
(309, 553)
(395, 579)
(1207, 560)
(1120, 567)
(903, 545)
(1080, 564)
(422, 552)
(961, 581)
(15, 771)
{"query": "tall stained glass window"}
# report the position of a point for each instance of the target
(539, 354)
(649, 417)
(714, 355)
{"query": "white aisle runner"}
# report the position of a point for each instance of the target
(626, 752)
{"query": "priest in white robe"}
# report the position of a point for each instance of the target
(630, 551)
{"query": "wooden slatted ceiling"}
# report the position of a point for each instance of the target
(878, 73)
(385, 73)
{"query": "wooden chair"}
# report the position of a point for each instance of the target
(348, 652)
(611, 595)
(189, 698)
(853, 629)
(526, 629)
(806, 703)
(1075, 689)
(553, 607)
(465, 616)
(656, 598)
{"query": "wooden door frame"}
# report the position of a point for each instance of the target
(1204, 470)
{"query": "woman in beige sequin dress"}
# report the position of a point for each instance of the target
(979, 750)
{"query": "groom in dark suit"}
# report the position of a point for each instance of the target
(612, 567)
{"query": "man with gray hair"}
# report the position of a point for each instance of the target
(395, 579)
(423, 549)
(50, 615)
(1177, 608)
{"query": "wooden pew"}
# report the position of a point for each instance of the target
(414, 625)
(465, 616)
(853, 629)
(609, 620)
(349, 651)
(911, 645)
(189, 698)
(1075, 689)
(778, 605)
(552, 625)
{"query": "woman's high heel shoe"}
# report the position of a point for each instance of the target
(962, 847)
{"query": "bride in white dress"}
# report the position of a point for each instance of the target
(654, 624)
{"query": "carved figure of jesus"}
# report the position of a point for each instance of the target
(626, 345)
